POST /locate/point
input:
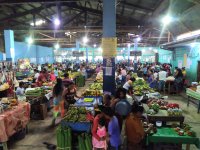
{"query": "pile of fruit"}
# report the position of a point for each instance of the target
(174, 112)
(34, 92)
(92, 93)
(7, 103)
(74, 75)
(4, 87)
(76, 114)
(96, 86)
(186, 130)
(140, 86)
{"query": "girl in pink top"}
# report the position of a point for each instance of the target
(101, 132)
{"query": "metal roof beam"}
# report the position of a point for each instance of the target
(13, 16)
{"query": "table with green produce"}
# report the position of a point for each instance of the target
(39, 98)
(78, 119)
(140, 87)
(172, 135)
(161, 110)
(95, 89)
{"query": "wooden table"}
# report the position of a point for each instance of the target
(168, 83)
(162, 115)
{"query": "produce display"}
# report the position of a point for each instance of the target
(174, 112)
(155, 105)
(64, 138)
(76, 114)
(140, 86)
(186, 130)
(4, 87)
(96, 86)
(74, 75)
(172, 108)
(7, 103)
(95, 89)
(34, 92)
(84, 142)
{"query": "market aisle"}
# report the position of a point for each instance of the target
(40, 131)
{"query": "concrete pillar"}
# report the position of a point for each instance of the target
(9, 45)
(109, 31)
(86, 51)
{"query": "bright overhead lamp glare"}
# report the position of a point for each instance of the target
(95, 45)
(129, 45)
(85, 40)
(30, 40)
(167, 20)
(100, 49)
(56, 22)
(57, 46)
(38, 23)
(150, 48)
(138, 39)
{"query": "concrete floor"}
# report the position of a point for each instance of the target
(40, 130)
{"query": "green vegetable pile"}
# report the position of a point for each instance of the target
(153, 108)
(140, 86)
(76, 114)
(84, 142)
(64, 138)
(36, 92)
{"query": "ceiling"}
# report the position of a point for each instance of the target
(84, 17)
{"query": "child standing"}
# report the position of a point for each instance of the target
(101, 132)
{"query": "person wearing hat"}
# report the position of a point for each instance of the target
(114, 136)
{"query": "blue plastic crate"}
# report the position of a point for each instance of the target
(77, 126)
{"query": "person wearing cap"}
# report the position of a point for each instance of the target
(114, 136)
(134, 129)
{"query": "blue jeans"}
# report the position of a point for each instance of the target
(161, 85)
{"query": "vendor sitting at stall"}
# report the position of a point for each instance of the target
(20, 89)
(70, 95)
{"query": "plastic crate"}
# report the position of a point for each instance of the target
(77, 126)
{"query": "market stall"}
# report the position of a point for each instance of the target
(39, 98)
(167, 135)
(14, 118)
(162, 110)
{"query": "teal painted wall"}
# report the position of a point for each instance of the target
(193, 56)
